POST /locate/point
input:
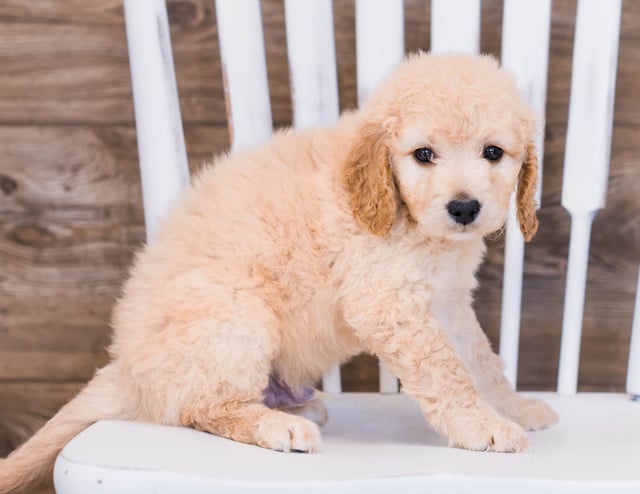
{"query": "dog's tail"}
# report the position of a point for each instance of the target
(100, 399)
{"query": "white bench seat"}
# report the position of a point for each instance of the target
(372, 443)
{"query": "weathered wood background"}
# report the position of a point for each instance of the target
(71, 212)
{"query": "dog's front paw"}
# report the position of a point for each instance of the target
(284, 432)
(532, 414)
(489, 434)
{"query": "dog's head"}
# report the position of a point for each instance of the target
(444, 139)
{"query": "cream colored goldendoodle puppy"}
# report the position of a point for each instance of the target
(283, 260)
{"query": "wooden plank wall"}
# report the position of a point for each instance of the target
(70, 205)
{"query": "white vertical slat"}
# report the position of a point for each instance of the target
(312, 62)
(511, 298)
(379, 42)
(379, 48)
(244, 70)
(586, 166)
(164, 170)
(332, 381)
(455, 26)
(525, 53)
(633, 371)
(314, 82)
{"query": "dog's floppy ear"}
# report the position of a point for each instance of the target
(369, 180)
(525, 196)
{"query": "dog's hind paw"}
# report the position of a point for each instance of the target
(284, 432)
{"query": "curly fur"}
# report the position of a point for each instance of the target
(525, 198)
(291, 257)
(369, 180)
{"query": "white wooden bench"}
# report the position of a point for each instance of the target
(379, 442)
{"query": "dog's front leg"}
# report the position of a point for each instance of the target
(488, 369)
(399, 330)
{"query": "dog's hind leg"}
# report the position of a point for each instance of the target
(255, 423)
(238, 412)
(230, 355)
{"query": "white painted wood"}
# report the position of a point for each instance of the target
(314, 82)
(164, 169)
(372, 443)
(312, 62)
(586, 166)
(379, 48)
(593, 81)
(455, 26)
(574, 302)
(633, 371)
(379, 42)
(388, 382)
(244, 70)
(525, 53)
(511, 299)
(332, 382)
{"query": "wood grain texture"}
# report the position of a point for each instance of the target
(24, 408)
(71, 212)
(70, 222)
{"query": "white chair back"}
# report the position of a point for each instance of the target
(586, 167)
(377, 52)
(164, 168)
(525, 52)
(310, 45)
(244, 70)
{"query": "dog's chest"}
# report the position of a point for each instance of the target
(450, 270)
(451, 303)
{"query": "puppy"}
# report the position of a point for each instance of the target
(283, 260)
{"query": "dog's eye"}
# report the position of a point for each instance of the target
(424, 155)
(492, 153)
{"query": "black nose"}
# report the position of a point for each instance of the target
(464, 211)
